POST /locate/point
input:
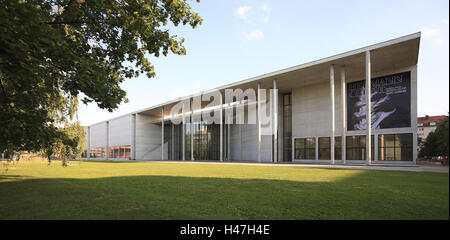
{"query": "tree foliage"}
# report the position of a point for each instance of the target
(437, 142)
(71, 145)
(53, 52)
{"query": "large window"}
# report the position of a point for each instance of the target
(305, 148)
(325, 146)
(120, 152)
(113, 152)
(338, 148)
(356, 147)
(287, 127)
(125, 152)
(206, 141)
(187, 141)
(395, 147)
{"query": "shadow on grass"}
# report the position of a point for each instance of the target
(6, 176)
(363, 196)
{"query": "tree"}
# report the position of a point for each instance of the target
(70, 146)
(442, 136)
(53, 52)
(437, 142)
(429, 146)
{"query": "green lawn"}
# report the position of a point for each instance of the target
(149, 190)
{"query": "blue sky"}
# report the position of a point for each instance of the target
(240, 39)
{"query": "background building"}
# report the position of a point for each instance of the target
(319, 112)
(428, 124)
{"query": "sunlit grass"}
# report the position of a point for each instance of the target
(151, 190)
(86, 169)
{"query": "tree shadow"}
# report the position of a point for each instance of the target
(6, 176)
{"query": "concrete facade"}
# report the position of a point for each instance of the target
(311, 112)
(148, 139)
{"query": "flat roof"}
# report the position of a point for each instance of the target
(428, 119)
(388, 55)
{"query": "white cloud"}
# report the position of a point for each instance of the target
(243, 11)
(266, 12)
(434, 35)
(430, 32)
(253, 35)
(265, 7)
(246, 12)
(439, 41)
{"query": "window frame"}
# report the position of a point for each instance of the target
(337, 148)
(362, 148)
(307, 148)
(396, 147)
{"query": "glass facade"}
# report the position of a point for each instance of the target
(287, 128)
(305, 148)
(225, 142)
(120, 152)
(97, 152)
(187, 141)
(338, 148)
(325, 146)
(206, 141)
(175, 151)
(395, 147)
(356, 147)
(206, 145)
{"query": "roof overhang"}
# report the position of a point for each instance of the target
(385, 56)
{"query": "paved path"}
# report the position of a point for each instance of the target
(391, 167)
(388, 167)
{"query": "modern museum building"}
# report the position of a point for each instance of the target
(315, 112)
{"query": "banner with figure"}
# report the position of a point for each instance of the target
(390, 100)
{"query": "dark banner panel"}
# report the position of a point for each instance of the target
(390, 100)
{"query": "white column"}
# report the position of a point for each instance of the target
(275, 121)
(183, 134)
(332, 114)
(133, 136)
(317, 148)
(240, 140)
(375, 148)
(107, 141)
(162, 133)
(228, 137)
(414, 111)
(368, 110)
(221, 128)
(225, 151)
(259, 123)
(192, 131)
(344, 117)
(88, 152)
(173, 142)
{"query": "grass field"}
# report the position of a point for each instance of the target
(150, 190)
